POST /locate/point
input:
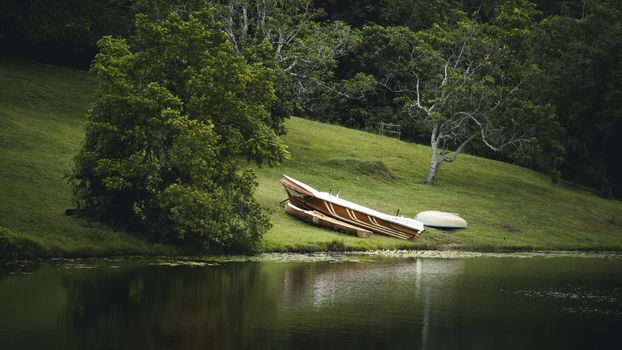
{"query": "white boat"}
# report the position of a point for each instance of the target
(441, 219)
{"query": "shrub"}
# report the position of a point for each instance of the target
(176, 114)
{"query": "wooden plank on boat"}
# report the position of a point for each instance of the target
(325, 221)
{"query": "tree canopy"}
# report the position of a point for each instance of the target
(460, 85)
(581, 55)
(176, 113)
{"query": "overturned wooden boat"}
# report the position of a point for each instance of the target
(441, 219)
(306, 197)
(325, 221)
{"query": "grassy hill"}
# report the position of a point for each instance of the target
(507, 207)
(41, 111)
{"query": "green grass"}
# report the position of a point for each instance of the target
(507, 207)
(41, 111)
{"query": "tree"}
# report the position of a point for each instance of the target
(581, 55)
(461, 85)
(61, 32)
(176, 113)
(284, 35)
(513, 24)
(419, 14)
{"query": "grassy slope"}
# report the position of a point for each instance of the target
(41, 109)
(507, 207)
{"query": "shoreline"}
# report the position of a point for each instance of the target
(320, 256)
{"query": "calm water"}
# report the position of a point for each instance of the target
(492, 303)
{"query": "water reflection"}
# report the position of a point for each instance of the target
(416, 303)
(172, 307)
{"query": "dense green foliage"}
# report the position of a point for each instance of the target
(175, 111)
(582, 61)
(63, 32)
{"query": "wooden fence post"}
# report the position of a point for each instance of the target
(391, 130)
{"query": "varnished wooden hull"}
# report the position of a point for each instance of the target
(306, 197)
(320, 219)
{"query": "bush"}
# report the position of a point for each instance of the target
(176, 113)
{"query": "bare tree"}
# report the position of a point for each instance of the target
(278, 22)
(458, 85)
(305, 50)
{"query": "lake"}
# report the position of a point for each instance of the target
(314, 302)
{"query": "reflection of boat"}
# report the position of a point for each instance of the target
(441, 219)
(337, 286)
(306, 197)
(325, 221)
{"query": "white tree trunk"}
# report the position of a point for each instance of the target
(435, 162)
(432, 172)
(435, 165)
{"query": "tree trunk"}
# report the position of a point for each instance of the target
(435, 163)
